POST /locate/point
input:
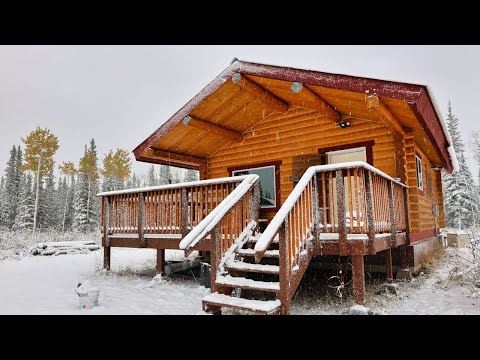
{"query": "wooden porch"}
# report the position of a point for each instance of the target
(350, 209)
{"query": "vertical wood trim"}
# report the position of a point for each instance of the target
(141, 219)
(342, 226)
(391, 202)
(184, 212)
(370, 212)
(358, 277)
(106, 222)
(315, 206)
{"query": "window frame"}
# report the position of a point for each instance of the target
(276, 166)
(419, 172)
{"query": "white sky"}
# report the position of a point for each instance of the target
(120, 94)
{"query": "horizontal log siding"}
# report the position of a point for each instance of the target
(298, 132)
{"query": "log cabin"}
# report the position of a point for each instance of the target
(293, 164)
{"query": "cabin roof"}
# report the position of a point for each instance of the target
(245, 93)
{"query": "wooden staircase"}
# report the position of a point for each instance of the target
(257, 284)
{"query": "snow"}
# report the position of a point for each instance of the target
(46, 285)
(358, 310)
(240, 265)
(335, 236)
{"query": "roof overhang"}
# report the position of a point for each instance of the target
(417, 97)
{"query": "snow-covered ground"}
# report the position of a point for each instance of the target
(46, 285)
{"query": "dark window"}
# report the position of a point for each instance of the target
(267, 184)
(419, 173)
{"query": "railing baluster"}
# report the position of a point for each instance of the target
(391, 199)
(315, 206)
(350, 195)
(324, 196)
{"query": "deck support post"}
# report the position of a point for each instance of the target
(388, 265)
(358, 279)
(284, 264)
(161, 261)
(106, 257)
(184, 212)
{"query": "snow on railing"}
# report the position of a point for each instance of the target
(273, 228)
(216, 215)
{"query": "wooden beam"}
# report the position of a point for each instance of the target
(383, 114)
(307, 98)
(212, 128)
(175, 157)
(262, 94)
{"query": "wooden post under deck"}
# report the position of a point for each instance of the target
(106, 257)
(161, 261)
(215, 310)
(388, 265)
(284, 263)
(358, 279)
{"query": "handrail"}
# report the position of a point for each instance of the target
(175, 186)
(216, 215)
(274, 227)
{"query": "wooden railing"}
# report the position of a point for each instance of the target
(340, 199)
(173, 209)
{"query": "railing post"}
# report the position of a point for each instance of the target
(106, 230)
(370, 212)
(255, 201)
(215, 257)
(141, 219)
(285, 265)
(184, 214)
(315, 205)
(391, 203)
(342, 226)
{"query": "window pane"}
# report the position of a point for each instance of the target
(267, 184)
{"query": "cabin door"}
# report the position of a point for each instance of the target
(343, 156)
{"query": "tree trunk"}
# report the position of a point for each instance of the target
(37, 193)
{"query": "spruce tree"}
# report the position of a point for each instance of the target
(190, 175)
(3, 208)
(48, 207)
(151, 178)
(67, 198)
(459, 191)
(165, 175)
(24, 218)
(12, 187)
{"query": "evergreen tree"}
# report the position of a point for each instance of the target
(190, 175)
(175, 176)
(40, 147)
(3, 208)
(459, 192)
(165, 175)
(48, 207)
(24, 218)
(87, 205)
(12, 187)
(476, 151)
(151, 178)
(67, 197)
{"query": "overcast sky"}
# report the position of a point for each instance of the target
(120, 94)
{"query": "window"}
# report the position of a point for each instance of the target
(268, 185)
(419, 173)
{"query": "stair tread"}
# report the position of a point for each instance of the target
(245, 283)
(258, 306)
(254, 239)
(268, 253)
(260, 268)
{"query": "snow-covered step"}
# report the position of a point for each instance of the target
(268, 253)
(255, 239)
(258, 268)
(249, 284)
(256, 306)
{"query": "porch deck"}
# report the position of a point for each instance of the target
(349, 209)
